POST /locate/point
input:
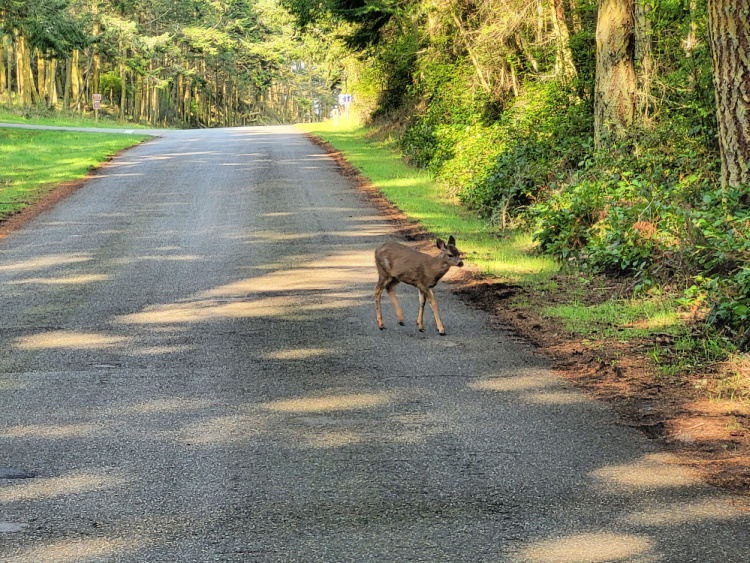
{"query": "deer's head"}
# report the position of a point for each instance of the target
(449, 253)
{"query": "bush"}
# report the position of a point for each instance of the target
(499, 167)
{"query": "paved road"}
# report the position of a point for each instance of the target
(191, 371)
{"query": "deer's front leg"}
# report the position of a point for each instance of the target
(433, 304)
(420, 317)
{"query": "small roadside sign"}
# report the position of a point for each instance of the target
(97, 99)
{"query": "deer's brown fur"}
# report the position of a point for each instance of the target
(398, 263)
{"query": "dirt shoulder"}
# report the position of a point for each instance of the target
(706, 433)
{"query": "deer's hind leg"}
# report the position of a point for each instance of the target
(382, 283)
(396, 305)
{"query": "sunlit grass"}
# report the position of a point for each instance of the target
(61, 119)
(623, 319)
(34, 162)
(414, 192)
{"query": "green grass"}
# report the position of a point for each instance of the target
(621, 319)
(507, 257)
(34, 162)
(34, 116)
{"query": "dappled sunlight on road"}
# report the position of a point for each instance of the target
(339, 271)
(329, 403)
(171, 405)
(590, 548)
(67, 280)
(260, 237)
(296, 353)
(222, 430)
(53, 487)
(201, 311)
(43, 262)
(158, 350)
(157, 258)
(688, 512)
(294, 293)
(67, 339)
(78, 550)
(652, 471)
(513, 383)
(541, 389)
(52, 431)
(333, 439)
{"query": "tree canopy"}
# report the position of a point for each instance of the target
(195, 62)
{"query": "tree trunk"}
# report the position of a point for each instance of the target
(644, 55)
(75, 82)
(729, 34)
(68, 83)
(3, 75)
(123, 79)
(567, 69)
(41, 77)
(9, 65)
(24, 92)
(51, 83)
(95, 35)
(541, 24)
(575, 16)
(614, 98)
(30, 76)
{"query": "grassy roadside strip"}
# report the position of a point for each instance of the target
(32, 116)
(416, 194)
(663, 372)
(34, 163)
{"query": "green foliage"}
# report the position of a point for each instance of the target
(47, 25)
(721, 229)
(396, 66)
(367, 19)
(626, 213)
(502, 166)
(110, 85)
(684, 81)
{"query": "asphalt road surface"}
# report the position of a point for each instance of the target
(191, 371)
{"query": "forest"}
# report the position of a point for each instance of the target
(616, 130)
(189, 63)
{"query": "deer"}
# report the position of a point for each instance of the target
(398, 263)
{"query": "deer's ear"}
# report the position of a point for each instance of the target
(452, 241)
(440, 244)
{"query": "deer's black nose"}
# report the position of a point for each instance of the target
(461, 264)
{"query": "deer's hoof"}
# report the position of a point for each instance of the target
(381, 327)
(442, 334)
(421, 330)
(401, 323)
